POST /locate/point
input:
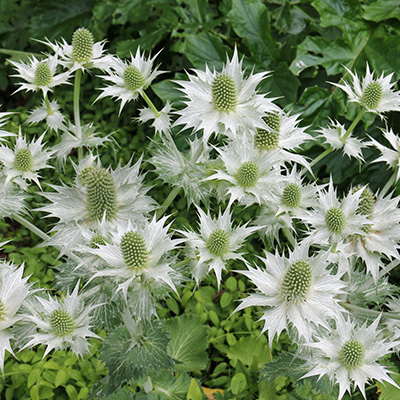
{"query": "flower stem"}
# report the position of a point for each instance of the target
(289, 236)
(321, 156)
(41, 234)
(168, 201)
(48, 106)
(150, 104)
(372, 313)
(389, 183)
(77, 117)
(353, 125)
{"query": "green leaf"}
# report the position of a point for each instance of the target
(226, 299)
(381, 10)
(387, 391)
(286, 364)
(130, 356)
(250, 20)
(61, 377)
(188, 342)
(238, 383)
(167, 386)
(251, 351)
(71, 391)
(194, 392)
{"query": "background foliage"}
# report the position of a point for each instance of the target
(306, 44)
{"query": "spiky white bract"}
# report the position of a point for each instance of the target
(389, 156)
(349, 355)
(161, 121)
(3, 120)
(333, 220)
(185, 170)
(40, 74)
(140, 261)
(72, 138)
(12, 198)
(222, 103)
(13, 291)
(60, 323)
(129, 78)
(119, 193)
(282, 137)
(375, 94)
(49, 113)
(247, 175)
(297, 291)
(380, 237)
(216, 243)
(333, 135)
(391, 324)
(23, 163)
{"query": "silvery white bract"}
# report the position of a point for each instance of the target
(349, 355)
(333, 135)
(375, 94)
(298, 291)
(48, 112)
(140, 261)
(23, 163)
(60, 324)
(12, 198)
(222, 103)
(40, 75)
(129, 78)
(3, 120)
(215, 244)
(161, 121)
(13, 291)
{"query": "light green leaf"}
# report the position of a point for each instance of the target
(61, 377)
(250, 20)
(238, 383)
(194, 392)
(381, 10)
(188, 342)
(251, 351)
(387, 391)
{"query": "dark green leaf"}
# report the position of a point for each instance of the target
(286, 364)
(381, 10)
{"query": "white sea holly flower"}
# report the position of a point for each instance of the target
(297, 291)
(12, 198)
(129, 78)
(13, 291)
(185, 170)
(23, 163)
(161, 122)
(118, 195)
(139, 259)
(392, 325)
(73, 138)
(349, 355)
(247, 175)
(83, 53)
(333, 135)
(389, 156)
(3, 120)
(282, 137)
(40, 74)
(223, 102)
(216, 243)
(49, 113)
(61, 323)
(375, 94)
(332, 220)
(380, 237)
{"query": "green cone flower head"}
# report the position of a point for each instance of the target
(82, 45)
(224, 93)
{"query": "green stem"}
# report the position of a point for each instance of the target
(372, 313)
(48, 106)
(183, 262)
(321, 156)
(38, 232)
(289, 236)
(389, 183)
(168, 201)
(353, 125)
(77, 117)
(150, 104)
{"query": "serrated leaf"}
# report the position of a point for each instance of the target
(286, 364)
(128, 357)
(167, 386)
(188, 342)
(251, 351)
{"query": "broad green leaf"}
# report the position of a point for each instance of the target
(167, 386)
(282, 84)
(61, 377)
(387, 391)
(381, 10)
(238, 383)
(194, 392)
(188, 342)
(250, 20)
(251, 351)
(286, 364)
